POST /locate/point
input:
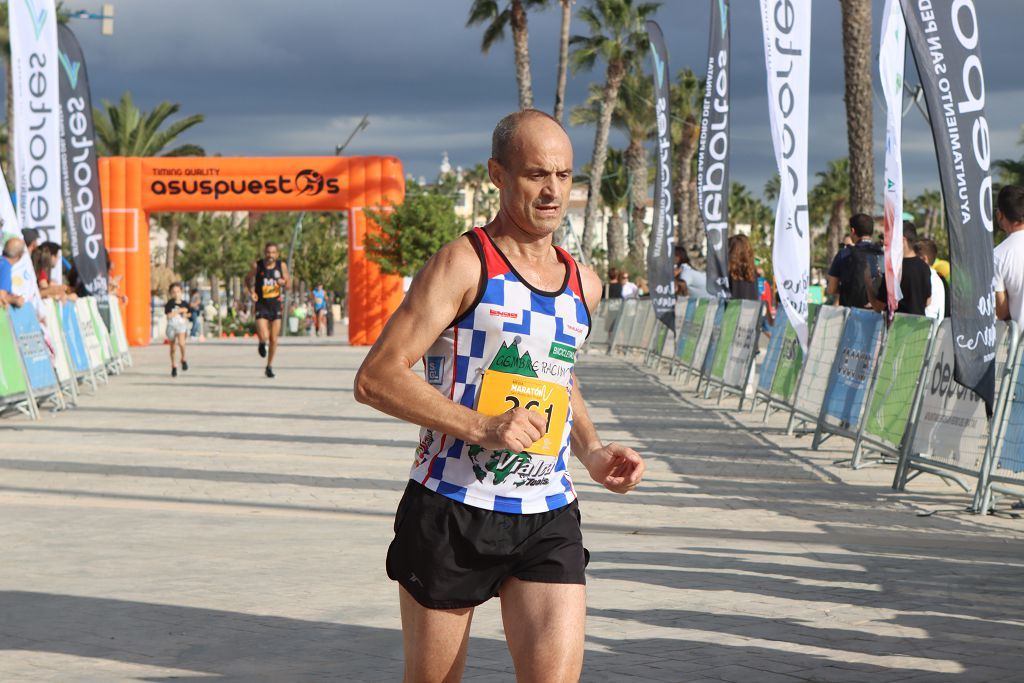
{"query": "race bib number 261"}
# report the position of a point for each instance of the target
(501, 392)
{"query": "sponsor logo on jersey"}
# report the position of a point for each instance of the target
(435, 370)
(562, 352)
(504, 314)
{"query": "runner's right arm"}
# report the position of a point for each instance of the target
(443, 290)
(250, 280)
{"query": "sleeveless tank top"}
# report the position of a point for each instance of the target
(514, 347)
(267, 285)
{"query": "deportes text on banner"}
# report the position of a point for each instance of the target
(891, 59)
(660, 248)
(713, 152)
(83, 214)
(33, 31)
(787, 55)
(945, 40)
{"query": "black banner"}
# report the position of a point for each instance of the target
(80, 181)
(660, 248)
(713, 153)
(944, 40)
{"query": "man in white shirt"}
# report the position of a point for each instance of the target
(927, 251)
(1009, 255)
(629, 289)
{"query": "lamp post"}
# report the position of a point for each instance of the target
(106, 17)
(297, 232)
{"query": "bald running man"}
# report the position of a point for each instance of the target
(496, 319)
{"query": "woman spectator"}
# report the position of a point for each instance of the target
(742, 272)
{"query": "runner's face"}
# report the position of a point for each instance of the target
(270, 253)
(535, 186)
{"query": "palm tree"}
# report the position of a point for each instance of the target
(615, 187)
(831, 197)
(740, 203)
(633, 115)
(123, 130)
(1011, 172)
(477, 177)
(772, 187)
(857, 69)
(686, 101)
(496, 19)
(618, 37)
(929, 214)
(563, 58)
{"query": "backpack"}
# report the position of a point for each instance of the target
(863, 267)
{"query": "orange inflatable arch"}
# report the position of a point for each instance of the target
(132, 187)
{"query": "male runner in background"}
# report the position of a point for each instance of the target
(496, 317)
(264, 283)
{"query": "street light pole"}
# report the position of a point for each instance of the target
(297, 232)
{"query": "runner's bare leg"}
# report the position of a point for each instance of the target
(544, 625)
(262, 329)
(435, 641)
(275, 330)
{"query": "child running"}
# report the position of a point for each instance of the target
(177, 312)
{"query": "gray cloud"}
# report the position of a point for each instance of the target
(293, 78)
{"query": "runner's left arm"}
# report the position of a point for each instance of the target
(284, 272)
(616, 467)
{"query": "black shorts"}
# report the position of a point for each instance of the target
(450, 555)
(268, 309)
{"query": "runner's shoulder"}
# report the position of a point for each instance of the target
(457, 262)
(593, 288)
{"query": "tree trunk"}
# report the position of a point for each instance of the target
(636, 164)
(8, 167)
(616, 239)
(837, 225)
(695, 228)
(684, 176)
(857, 69)
(616, 72)
(172, 240)
(520, 39)
(563, 59)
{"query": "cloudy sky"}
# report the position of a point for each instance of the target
(281, 78)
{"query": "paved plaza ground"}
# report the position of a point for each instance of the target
(227, 527)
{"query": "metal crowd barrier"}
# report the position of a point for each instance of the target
(1003, 470)
(951, 434)
(821, 354)
(852, 376)
(890, 391)
(708, 356)
(46, 354)
(779, 390)
(693, 343)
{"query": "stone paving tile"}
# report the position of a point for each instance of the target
(226, 527)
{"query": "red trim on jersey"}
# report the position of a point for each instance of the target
(575, 279)
(493, 261)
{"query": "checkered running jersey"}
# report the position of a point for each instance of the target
(514, 347)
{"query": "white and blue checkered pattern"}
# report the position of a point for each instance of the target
(508, 312)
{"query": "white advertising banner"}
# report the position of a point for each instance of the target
(787, 55)
(891, 58)
(33, 31)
